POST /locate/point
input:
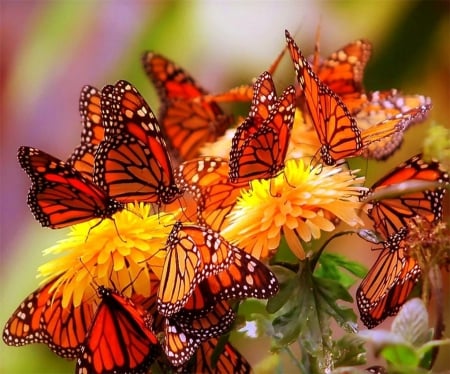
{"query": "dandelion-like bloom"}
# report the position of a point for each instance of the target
(297, 203)
(117, 253)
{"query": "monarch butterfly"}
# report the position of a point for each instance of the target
(181, 339)
(388, 283)
(260, 143)
(245, 277)
(206, 180)
(228, 361)
(120, 339)
(379, 105)
(187, 123)
(391, 214)
(82, 158)
(59, 195)
(132, 162)
(336, 128)
(193, 253)
(343, 71)
(41, 318)
(390, 280)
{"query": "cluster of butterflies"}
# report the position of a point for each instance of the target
(123, 157)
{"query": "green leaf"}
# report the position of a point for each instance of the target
(331, 265)
(401, 355)
(349, 351)
(411, 323)
(288, 282)
(310, 304)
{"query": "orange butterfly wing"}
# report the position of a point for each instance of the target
(194, 253)
(119, 340)
(390, 106)
(184, 335)
(186, 122)
(132, 162)
(390, 280)
(336, 128)
(228, 361)
(343, 72)
(388, 283)
(391, 214)
(82, 158)
(59, 195)
(260, 143)
(206, 181)
(41, 318)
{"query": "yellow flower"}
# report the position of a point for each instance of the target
(116, 252)
(297, 203)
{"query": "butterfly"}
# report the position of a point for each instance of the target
(120, 339)
(343, 71)
(228, 360)
(336, 128)
(245, 277)
(379, 105)
(186, 122)
(211, 193)
(193, 254)
(132, 163)
(260, 143)
(182, 337)
(60, 195)
(390, 280)
(42, 318)
(82, 158)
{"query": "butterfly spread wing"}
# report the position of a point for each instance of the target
(41, 318)
(187, 120)
(59, 195)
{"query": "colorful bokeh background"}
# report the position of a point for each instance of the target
(50, 49)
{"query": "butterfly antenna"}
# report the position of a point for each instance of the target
(316, 58)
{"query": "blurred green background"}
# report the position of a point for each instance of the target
(50, 49)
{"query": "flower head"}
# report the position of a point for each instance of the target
(116, 252)
(298, 203)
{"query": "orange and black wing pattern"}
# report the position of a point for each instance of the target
(187, 121)
(388, 283)
(210, 191)
(132, 162)
(59, 195)
(41, 318)
(120, 339)
(228, 360)
(193, 254)
(260, 144)
(391, 214)
(92, 133)
(336, 129)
